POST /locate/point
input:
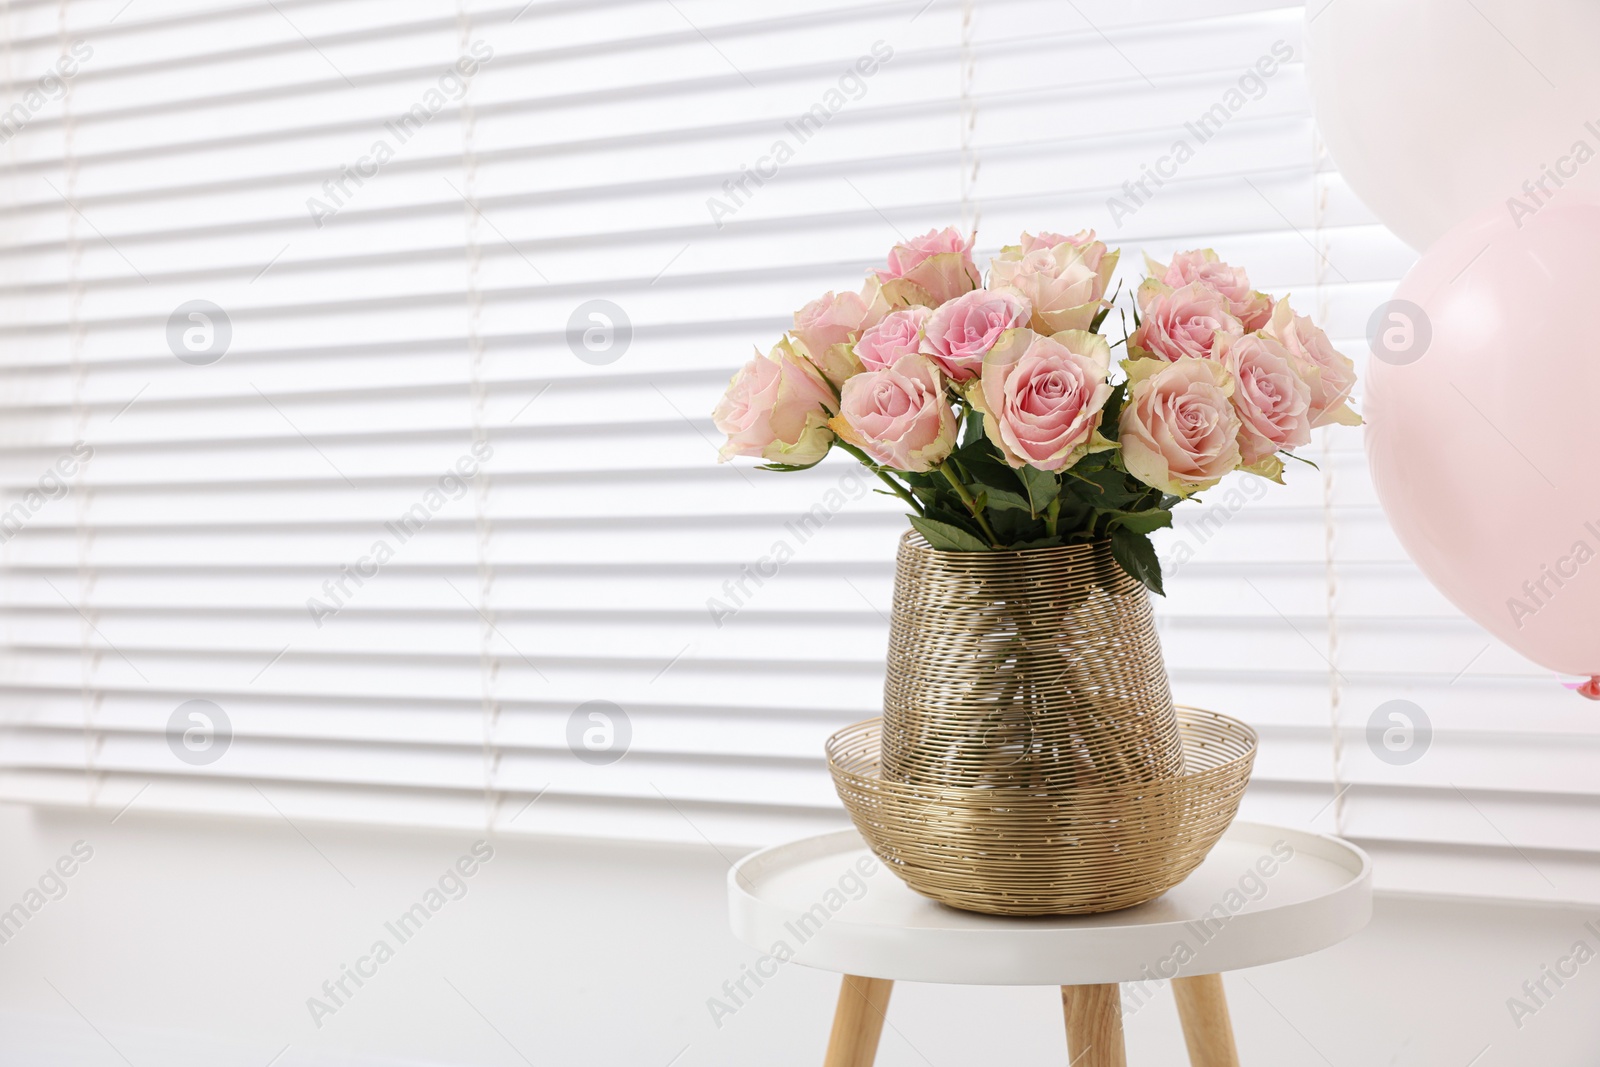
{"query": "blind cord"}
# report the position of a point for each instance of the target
(88, 657)
(1329, 527)
(971, 214)
(488, 662)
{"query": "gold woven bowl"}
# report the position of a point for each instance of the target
(1014, 851)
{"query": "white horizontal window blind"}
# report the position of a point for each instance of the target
(314, 285)
(357, 366)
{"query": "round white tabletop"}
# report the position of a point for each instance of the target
(1265, 893)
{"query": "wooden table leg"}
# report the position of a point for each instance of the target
(1203, 1008)
(1094, 1025)
(858, 1021)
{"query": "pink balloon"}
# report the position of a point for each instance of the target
(1484, 440)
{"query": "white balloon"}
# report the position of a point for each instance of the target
(1436, 109)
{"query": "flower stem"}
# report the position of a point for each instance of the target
(899, 490)
(1052, 515)
(972, 504)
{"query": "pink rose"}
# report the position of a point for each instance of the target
(899, 415)
(930, 269)
(1046, 239)
(1251, 308)
(828, 326)
(1272, 399)
(777, 408)
(1064, 283)
(1042, 397)
(960, 332)
(1093, 252)
(899, 334)
(1331, 374)
(1181, 323)
(1179, 432)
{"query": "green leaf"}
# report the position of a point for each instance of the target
(948, 538)
(1141, 522)
(972, 432)
(1076, 517)
(1042, 542)
(1111, 424)
(1042, 487)
(1301, 459)
(1136, 555)
(786, 467)
(951, 512)
(1006, 500)
(1106, 489)
(1013, 526)
(982, 462)
(1094, 461)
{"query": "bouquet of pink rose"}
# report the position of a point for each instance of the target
(992, 410)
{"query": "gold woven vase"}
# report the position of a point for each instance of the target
(1038, 668)
(1029, 760)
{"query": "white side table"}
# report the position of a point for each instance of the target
(1264, 894)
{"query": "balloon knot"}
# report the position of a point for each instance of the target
(1591, 688)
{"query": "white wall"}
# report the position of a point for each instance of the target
(197, 942)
